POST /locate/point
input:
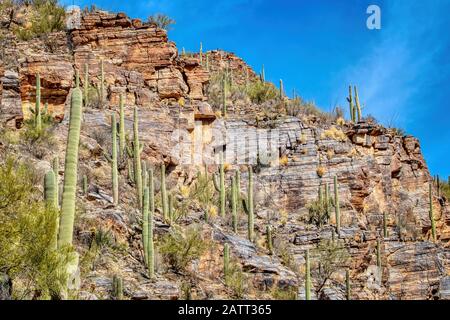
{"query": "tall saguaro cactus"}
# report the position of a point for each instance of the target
(337, 209)
(164, 197)
(248, 205)
(350, 102)
(263, 75)
(433, 224)
(70, 170)
(358, 106)
(234, 202)
(269, 239)
(150, 245)
(385, 231)
(226, 260)
(145, 210)
(201, 54)
(307, 277)
(115, 174)
(137, 148)
(122, 142)
(347, 285)
(281, 89)
(37, 109)
(56, 171)
(220, 186)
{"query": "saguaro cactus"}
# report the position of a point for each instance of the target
(248, 205)
(122, 143)
(56, 171)
(337, 209)
(137, 148)
(385, 232)
(85, 185)
(327, 200)
(145, 209)
(350, 102)
(50, 189)
(226, 260)
(347, 285)
(220, 186)
(234, 201)
(144, 174)
(263, 75)
(114, 171)
(117, 288)
(164, 198)
(433, 225)
(307, 277)
(37, 108)
(281, 89)
(171, 210)
(269, 239)
(358, 106)
(150, 246)
(378, 253)
(201, 54)
(70, 170)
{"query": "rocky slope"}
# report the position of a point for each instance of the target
(378, 172)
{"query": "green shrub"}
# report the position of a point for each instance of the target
(260, 92)
(180, 249)
(46, 16)
(236, 280)
(317, 213)
(38, 142)
(28, 228)
(329, 257)
(289, 293)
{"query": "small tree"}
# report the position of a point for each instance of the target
(329, 256)
(161, 20)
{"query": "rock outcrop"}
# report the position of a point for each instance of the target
(378, 171)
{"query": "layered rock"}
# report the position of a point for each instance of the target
(138, 60)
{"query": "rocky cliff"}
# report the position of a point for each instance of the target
(381, 175)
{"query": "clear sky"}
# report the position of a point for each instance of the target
(319, 47)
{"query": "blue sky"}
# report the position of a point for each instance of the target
(319, 47)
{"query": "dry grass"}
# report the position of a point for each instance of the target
(335, 134)
(321, 171)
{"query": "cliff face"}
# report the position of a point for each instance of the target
(378, 171)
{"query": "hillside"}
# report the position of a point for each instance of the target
(374, 179)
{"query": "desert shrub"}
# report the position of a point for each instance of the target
(215, 88)
(180, 249)
(236, 280)
(203, 192)
(46, 16)
(28, 230)
(38, 142)
(260, 92)
(329, 257)
(319, 212)
(161, 20)
(289, 293)
(286, 257)
(335, 134)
